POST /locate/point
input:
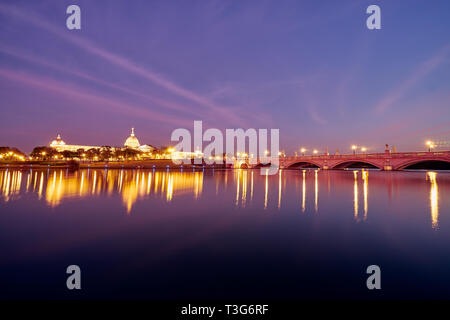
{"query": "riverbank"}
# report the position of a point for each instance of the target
(144, 164)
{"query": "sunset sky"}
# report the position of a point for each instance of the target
(310, 68)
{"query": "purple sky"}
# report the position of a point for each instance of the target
(310, 68)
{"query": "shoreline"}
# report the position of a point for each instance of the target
(134, 164)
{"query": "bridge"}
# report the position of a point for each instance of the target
(383, 161)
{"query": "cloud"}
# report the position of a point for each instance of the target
(156, 101)
(95, 101)
(122, 62)
(425, 68)
(315, 115)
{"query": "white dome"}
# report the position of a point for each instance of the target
(132, 141)
(57, 142)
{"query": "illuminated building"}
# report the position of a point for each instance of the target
(60, 145)
(131, 142)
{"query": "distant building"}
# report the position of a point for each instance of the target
(131, 142)
(60, 145)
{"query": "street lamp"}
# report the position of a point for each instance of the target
(303, 150)
(354, 147)
(430, 145)
(363, 149)
(315, 151)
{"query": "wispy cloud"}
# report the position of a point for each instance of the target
(122, 62)
(154, 100)
(421, 72)
(315, 115)
(107, 104)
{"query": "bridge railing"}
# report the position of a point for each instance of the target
(368, 155)
(384, 155)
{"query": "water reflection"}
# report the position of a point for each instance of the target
(279, 188)
(365, 177)
(303, 190)
(266, 190)
(355, 194)
(316, 191)
(434, 199)
(59, 185)
(270, 192)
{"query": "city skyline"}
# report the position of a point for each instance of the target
(312, 70)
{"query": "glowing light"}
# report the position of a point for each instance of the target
(279, 189)
(434, 199)
(316, 191)
(315, 151)
(266, 190)
(304, 191)
(355, 194)
(365, 177)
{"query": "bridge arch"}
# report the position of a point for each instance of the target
(303, 164)
(363, 162)
(440, 163)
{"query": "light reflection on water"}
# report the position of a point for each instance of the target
(185, 234)
(434, 199)
(55, 186)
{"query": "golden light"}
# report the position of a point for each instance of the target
(429, 143)
(354, 147)
(315, 151)
(170, 150)
(266, 152)
(363, 149)
(302, 150)
(43, 153)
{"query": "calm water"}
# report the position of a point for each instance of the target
(224, 234)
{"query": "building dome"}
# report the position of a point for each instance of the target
(57, 142)
(132, 141)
